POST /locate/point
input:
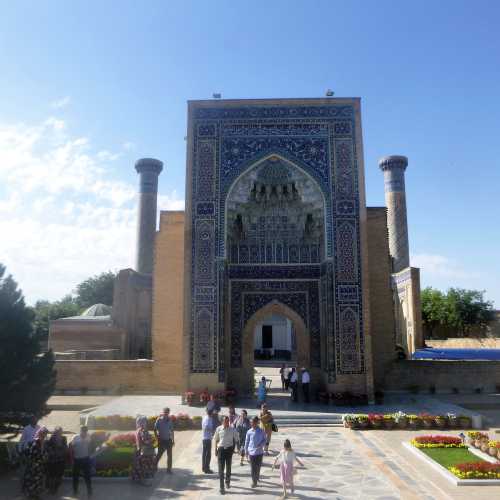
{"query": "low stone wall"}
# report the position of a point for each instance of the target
(443, 375)
(459, 343)
(113, 376)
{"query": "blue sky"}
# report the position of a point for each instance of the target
(88, 87)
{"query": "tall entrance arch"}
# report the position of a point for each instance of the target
(242, 377)
(275, 212)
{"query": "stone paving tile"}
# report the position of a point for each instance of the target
(334, 469)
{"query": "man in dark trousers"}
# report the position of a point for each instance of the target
(80, 455)
(294, 382)
(164, 432)
(254, 449)
(306, 380)
(225, 439)
(208, 426)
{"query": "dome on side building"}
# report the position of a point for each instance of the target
(97, 310)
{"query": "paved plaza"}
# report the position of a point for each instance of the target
(339, 464)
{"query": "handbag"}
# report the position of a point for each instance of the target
(274, 427)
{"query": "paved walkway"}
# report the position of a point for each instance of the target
(340, 464)
(333, 469)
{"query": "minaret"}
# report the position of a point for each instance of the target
(149, 169)
(395, 199)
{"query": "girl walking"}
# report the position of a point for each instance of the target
(286, 459)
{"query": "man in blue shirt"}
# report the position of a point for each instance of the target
(164, 432)
(208, 426)
(254, 449)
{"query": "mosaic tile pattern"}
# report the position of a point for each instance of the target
(320, 141)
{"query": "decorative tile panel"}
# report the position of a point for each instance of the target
(319, 139)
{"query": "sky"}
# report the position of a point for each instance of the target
(88, 87)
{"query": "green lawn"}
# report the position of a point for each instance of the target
(448, 457)
(115, 458)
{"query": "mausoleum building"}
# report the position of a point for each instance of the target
(276, 256)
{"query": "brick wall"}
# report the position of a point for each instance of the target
(444, 375)
(168, 302)
(457, 343)
(381, 304)
(117, 376)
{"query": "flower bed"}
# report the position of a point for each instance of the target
(181, 421)
(437, 442)
(400, 420)
(476, 470)
(453, 456)
(193, 398)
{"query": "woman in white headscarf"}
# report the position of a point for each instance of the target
(144, 465)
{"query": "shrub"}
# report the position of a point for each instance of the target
(437, 442)
(476, 470)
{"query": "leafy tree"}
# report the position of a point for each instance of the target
(27, 378)
(434, 309)
(458, 309)
(46, 311)
(469, 309)
(96, 290)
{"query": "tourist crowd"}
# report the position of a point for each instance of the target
(44, 458)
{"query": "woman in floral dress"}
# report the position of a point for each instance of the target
(144, 464)
(36, 458)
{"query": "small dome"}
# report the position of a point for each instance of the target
(274, 172)
(97, 310)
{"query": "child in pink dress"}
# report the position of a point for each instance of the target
(286, 458)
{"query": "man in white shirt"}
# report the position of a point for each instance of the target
(226, 438)
(28, 434)
(306, 379)
(80, 454)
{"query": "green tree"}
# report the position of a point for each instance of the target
(96, 290)
(469, 310)
(434, 309)
(27, 377)
(46, 311)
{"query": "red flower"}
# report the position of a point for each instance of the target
(438, 440)
(478, 467)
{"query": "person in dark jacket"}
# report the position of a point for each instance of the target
(57, 454)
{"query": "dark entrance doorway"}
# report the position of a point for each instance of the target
(267, 336)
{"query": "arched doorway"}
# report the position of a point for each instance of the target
(243, 378)
(274, 340)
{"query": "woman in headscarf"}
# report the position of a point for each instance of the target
(144, 465)
(36, 458)
(57, 453)
(266, 424)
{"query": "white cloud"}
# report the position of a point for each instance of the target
(61, 103)
(64, 215)
(128, 146)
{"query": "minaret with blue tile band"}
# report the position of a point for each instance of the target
(148, 169)
(395, 199)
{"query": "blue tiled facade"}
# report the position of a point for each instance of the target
(319, 140)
